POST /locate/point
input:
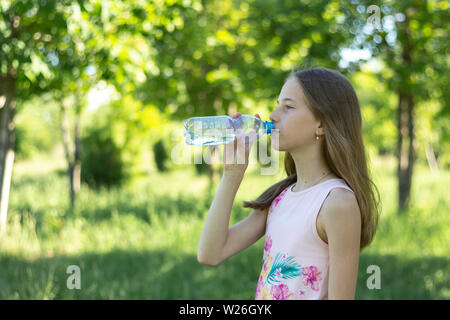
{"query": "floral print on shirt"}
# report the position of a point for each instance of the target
(311, 277)
(277, 200)
(283, 267)
(281, 292)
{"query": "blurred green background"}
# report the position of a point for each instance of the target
(95, 171)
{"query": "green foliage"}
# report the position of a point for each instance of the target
(37, 129)
(101, 160)
(160, 155)
(172, 60)
(27, 143)
(411, 48)
(127, 123)
(377, 105)
(30, 33)
(201, 168)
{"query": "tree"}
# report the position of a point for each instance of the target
(80, 64)
(29, 33)
(53, 46)
(412, 42)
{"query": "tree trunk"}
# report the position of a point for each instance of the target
(72, 152)
(76, 157)
(431, 158)
(405, 148)
(7, 139)
(405, 119)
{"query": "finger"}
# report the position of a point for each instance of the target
(230, 151)
(240, 150)
(252, 137)
(244, 144)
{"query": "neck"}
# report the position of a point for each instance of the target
(310, 167)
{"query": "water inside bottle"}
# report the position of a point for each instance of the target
(209, 137)
(217, 131)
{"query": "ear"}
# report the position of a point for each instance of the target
(319, 128)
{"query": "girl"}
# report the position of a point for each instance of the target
(318, 219)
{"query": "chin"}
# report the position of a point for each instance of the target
(279, 149)
(276, 146)
(275, 142)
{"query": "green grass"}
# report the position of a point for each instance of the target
(140, 242)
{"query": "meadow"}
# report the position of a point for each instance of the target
(140, 241)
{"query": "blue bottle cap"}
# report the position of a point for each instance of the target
(268, 126)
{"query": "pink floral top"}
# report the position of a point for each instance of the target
(295, 261)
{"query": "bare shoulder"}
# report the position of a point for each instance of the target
(341, 198)
(340, 208)
(340, 202)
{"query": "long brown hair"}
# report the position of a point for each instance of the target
(332, 99)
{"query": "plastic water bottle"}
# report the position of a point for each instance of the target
(215, 130)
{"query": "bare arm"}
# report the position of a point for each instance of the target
(342, 222)
(218, 242)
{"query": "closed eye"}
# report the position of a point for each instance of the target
(289, 107)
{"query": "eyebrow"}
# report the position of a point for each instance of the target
(286, 99)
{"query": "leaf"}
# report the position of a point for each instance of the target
(289, 269)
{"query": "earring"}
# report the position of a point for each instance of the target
(317, 137)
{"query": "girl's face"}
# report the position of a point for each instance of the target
(295, 124)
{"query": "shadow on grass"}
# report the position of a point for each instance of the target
(123, 274)
(165, 274)
(166, 205)
(49, 222)
(404, 278)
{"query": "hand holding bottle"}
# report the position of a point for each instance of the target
(236, 153)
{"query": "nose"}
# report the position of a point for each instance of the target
(274, 118)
